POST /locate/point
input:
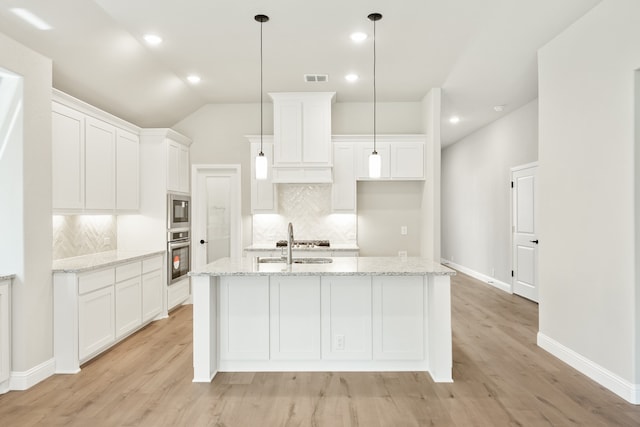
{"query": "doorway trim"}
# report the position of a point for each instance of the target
(233, 171)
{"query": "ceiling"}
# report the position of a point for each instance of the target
(482, 53)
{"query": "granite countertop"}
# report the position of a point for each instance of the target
(7, 276)
(102, 259)
(333, 247)
(341, 266)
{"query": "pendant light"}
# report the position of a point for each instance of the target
(375, 161)
(261, 159)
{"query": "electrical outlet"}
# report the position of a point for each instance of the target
(403, 230)
(402, 254)
(493, 272)
(107, 241)
(339, 342)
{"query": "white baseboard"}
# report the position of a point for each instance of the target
(27, 379)
(623, 388)
(503, 286)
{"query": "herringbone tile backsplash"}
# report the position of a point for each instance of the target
(75, 235)
(308, 208)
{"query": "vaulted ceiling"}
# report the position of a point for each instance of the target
(482, 53)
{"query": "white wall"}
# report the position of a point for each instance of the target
(218, 133)
(476, 193)
(430, 239)
(588, 264)
(25, 210)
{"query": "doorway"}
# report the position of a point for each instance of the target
(216, 213)
(525, 231)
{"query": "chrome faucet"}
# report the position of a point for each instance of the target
(289, 244)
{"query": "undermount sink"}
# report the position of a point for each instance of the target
(270, 260)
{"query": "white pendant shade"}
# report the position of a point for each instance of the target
(261, 166)
(375, 165)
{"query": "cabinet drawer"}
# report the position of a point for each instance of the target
(152, 264)
(94, 281)
(127, 271)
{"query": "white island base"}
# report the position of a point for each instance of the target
(356, 314)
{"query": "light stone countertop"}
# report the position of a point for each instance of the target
(90, 262)
(334, 247)
(341, 266)
(7, 276)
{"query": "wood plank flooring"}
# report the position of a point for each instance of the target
(501, 379)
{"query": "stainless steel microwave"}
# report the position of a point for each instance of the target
(178, 211)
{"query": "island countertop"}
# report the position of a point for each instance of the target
(340, 266)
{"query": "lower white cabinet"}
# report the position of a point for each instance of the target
(244, 318)
(398, 317)
(96, 321)
(93, 310)
(295, 317)
(177, 293)
(5, 334)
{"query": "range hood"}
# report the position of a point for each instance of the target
(302, 151)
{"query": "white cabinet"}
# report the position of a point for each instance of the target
(398, 317)
(127, 170)
(302, 136)
(364, 150)
(295, 318)
(93, 310)
(128, 298)
(96, 321)
(264, 197)
(152, 288)
(67, 157)
(177, 293)
(177, 167)
(346, 318)
(95, 161)
(244, 318)
(100, 150)
(407, 160)
(343, 190)
(5, 334)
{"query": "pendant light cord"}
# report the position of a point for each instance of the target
(261, 102)
(374, 88)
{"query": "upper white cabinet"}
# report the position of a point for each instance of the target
(302, 136)
(177, 167)
(264, 197)
(95, 162)
(343, 190)
(402, 157)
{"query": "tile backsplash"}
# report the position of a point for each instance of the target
(75, 235)
(308, 208)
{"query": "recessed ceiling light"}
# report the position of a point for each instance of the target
(193, 79)
(32, 19)
(358, 37)
(152, 39)
(454, 119)
(499, 108)
(351, 77)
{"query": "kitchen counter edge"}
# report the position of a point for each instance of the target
(100, 260)
(7, 277)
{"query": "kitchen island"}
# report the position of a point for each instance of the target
(352, 314)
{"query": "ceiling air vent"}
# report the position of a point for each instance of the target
(316, 77)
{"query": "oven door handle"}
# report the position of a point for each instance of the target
(178, 245)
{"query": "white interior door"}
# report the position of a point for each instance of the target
(216, 213)
(525, 231)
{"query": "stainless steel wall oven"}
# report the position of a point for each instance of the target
(179, 255)
(178, 211)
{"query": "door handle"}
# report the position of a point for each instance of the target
(202, 242)
(532, 241)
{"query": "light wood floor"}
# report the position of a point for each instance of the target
(501, 379)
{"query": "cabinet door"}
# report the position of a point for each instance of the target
(343, 190)
(173, 166)
(128, 306)
(127, 171)
(316, 135)
(96, 321)
(295, 318)
(398, 317)
(346, 318)
(183, 169)
(407, 160)
(100, 149)
(244, 318)
(67, 157)
(151, 294)
(362, 160)
(5, 328)
(263, 191)
(287, 132)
